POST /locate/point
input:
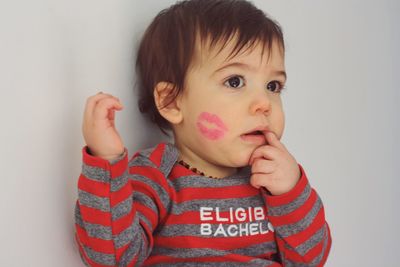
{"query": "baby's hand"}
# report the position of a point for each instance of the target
(273, 167)
(98, 126)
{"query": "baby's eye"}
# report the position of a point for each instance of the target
(234, 82)
(275, 86)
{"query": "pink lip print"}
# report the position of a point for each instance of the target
(206, 131)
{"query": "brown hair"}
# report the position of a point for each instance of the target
(167, 47)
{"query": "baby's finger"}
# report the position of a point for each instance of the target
(92, 102)
(266, 151)
(272, 139)
(111, 115)
(263, 166)
(257, 180)
(104, 106)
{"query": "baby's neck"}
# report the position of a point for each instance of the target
(209, 169)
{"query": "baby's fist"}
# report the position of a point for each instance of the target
(273, 167)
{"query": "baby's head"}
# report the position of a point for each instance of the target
(211, 71)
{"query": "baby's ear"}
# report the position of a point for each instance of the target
(168, 107)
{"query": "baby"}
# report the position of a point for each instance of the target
(226, 192)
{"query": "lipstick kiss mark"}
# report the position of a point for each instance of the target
(211, 126)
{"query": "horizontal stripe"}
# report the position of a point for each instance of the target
(161, 202)
(319, 251)
(120, 181)
(98, 245)
(97, 231)
(100, 189)
(292, 206)
(155, 182)
(227, 192)
(296, 215)
(100, 258)
(229, 260)
(128, 234)
(122, 209)
(94, 216)
(300, 237)
(187, 217)
(118, 166)
(96, 174)
(253, 250)
(90, 160)
(93, 201)
(312, 259)
(85, 259)
(305, 247)
(192, 181)
(304, 223)
(114, 167)
(123, 223)
(229, 243)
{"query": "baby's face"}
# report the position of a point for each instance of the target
(223, 100)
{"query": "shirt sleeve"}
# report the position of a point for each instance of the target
(119, 204)
(301, 231)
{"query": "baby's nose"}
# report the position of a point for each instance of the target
(260, 104)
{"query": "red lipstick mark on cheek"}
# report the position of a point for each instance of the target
(211, 126)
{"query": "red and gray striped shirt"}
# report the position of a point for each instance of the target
(151, 211)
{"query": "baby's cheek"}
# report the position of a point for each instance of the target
(211, 126)
(211, 134)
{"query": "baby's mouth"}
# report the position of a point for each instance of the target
(254, 133)
(254, 137)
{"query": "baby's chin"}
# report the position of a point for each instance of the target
(241, 160)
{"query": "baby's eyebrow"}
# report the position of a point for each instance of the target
(248, 67)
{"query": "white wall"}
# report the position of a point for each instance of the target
(341, 111)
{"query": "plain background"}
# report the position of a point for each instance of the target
(341, 108)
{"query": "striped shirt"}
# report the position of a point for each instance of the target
(152, 211)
